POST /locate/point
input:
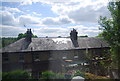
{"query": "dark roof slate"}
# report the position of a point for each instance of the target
(39, 44)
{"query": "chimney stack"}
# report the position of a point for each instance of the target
(29, 35)
(73, 36)
(28, 39)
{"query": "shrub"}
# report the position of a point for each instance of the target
(92, 76)
(17, 74)
(79, 73)
(52, 75)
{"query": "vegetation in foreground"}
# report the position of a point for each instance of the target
(48, 75)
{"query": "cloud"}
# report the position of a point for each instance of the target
(7, 18)
(86, 30)
(51, 32)
(11, 31)
(74, 11)
(36, 14)
(86, 15)
(11, 10)
(82, 11)
(28, 20)
(61, 20)
(10, 0)
(65, 32)
(29, 2)
(33, 19)
(26, 2)
(69, 12)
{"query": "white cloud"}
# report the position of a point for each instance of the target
(64, 32)
(28, 20)
(29, 2)
(26, 2)
(14, 10)
(82, 11)
(77, 11)
(51, 31)
(61, 20)
(36, 14)
(11, 31)
(7, 18)
(10, 0)
(68, 11)
(86, 30)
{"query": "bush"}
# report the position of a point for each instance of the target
(93, 77)
(52, 75)
(18, 74)
(79, 73)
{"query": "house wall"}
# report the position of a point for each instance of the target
(40, 61)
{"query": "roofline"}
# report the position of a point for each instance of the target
(57, 50)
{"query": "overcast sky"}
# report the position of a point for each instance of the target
(52, 18)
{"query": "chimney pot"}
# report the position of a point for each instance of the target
(73, 36)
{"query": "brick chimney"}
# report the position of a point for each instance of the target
(73, 36)
(29, 35)
(28, 39)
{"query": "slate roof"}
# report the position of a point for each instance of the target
(39, 44)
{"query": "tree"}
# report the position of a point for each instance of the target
(59, 36)
(83, 36)
(6, 41)
(23, 35)
(100, 35)
(111, 31)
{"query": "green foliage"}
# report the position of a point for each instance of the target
(93, 77)
(83, 36)
(17, 74)
(100, 35)
(23, 35)
(59, 36)
(79, 73)
(6, 41)
(52, 75)
(111, 30)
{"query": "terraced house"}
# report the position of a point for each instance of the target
(55, 54)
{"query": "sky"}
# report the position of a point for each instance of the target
(51, 18)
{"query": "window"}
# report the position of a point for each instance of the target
(76, 53)
(21, 57)
(75, 56)
(87, 70)
(36, 57)
(50, 58)
(64, 57)
(5, 57)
